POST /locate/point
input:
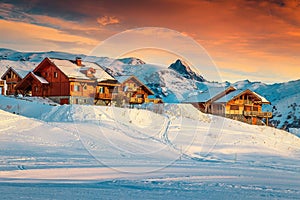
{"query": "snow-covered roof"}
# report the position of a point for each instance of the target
(122, 79)
(263, 99)
(72, 70)
(229, 96)
(40, 79)
(20, 72)
(236, 93)
(152, 97)
(205, 95)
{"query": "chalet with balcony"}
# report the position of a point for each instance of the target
(68, 82)
(12, 77)
(242, 105)
(133, 91)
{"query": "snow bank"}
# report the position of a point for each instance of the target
(180, 129)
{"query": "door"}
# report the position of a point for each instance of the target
(64, 101)
(254, 120)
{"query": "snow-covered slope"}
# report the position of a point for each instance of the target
(284, 98)
(170, 85)
(120, 151)
(175, 83)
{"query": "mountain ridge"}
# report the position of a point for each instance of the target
(175, 83)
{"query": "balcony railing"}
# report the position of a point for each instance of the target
(135, 100)
(257, 114)
(104, 96)
(12, 80)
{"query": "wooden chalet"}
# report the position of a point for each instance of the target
(245, 106)
(68, 82)
(133, 91)
(12, 77)
(2, 87)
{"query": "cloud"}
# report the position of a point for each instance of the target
(242, 35)
(22, 36)
(107, 20)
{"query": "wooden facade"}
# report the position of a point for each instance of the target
(50, 80)
(133, 91)
(245, 106)
(76, 82)
(12, 78)
(2, 87)
(106, 91)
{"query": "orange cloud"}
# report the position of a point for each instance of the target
(14, 34)
(107, 20)
(64, 24)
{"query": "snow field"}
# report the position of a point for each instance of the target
(133, 153)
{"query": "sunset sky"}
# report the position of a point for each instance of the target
(246, 39)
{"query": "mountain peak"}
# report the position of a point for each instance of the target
(131, 61)
(184, 69)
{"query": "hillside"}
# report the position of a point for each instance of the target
(125, 152)
(284, 98)
(176, 82)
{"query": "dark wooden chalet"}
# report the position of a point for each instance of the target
(132, 90)
(68, 81)
(12, 77)
(242, 105)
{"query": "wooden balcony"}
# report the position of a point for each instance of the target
(135, 100)
(257, 114)
(105, 96)
(12, 80)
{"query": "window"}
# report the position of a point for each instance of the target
(84, 87)
(234, 107)
(36, 88)
(55, 75)
(255, 108)
(76, 88)
(101, 90)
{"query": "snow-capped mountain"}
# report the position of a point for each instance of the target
(174, 83)
(131, 61)
(182, 68)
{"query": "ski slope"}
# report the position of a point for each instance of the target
(88, 152)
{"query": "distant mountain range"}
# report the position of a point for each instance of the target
(176, 82)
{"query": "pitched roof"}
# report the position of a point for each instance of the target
(39, 78)
(24, 83)
(72, 70)
(263, 99)
(237, 93)
(208, 94)
(122, 79)
(20, 72)
(229, 96)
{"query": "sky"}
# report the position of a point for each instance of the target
(257, 40)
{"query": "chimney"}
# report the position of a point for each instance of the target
(78, 61)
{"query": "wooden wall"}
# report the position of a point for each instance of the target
(83, 89)
(11, 80)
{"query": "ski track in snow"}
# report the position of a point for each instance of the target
(60, 155)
